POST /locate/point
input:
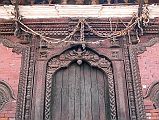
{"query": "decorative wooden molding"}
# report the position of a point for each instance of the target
(21, 102)
(137, 84)
(24, 102)
(79, 55)
(136, 105)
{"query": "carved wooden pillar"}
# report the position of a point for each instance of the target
(64, 2)
(94, 2)
(79, 2)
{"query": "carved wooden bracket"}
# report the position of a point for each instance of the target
(17, 48)
(141, 47)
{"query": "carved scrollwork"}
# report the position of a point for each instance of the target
(153, 93)
(64, 59)
(6, 93)
(79, 55)
(141, 47)
(17, 48)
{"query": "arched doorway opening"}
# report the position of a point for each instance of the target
(64, 76)
(80, 92)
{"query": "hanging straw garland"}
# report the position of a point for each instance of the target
(80, 25)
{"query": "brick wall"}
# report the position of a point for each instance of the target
(149, 69)
(9, 72)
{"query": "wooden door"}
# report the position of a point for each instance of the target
(80, 92)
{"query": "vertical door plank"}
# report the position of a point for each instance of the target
(65, 98)
(87, 92)
(57, 98)
(80, 93)
(72, 92)
(94, 90)
(83, 94)
(77, 93)
(106, 98)
(53, 97)
(101, 93)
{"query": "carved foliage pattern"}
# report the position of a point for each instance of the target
(64, 60)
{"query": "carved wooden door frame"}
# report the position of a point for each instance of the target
(25, 104)
(79, 55)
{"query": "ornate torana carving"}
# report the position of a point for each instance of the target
(64, 59)
(79, 55)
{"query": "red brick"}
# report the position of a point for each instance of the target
(9, 71)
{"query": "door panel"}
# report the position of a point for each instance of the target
(80, 92)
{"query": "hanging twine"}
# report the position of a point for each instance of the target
(80, 26)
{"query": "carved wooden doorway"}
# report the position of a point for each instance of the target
(79, 86)
(80, 92)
